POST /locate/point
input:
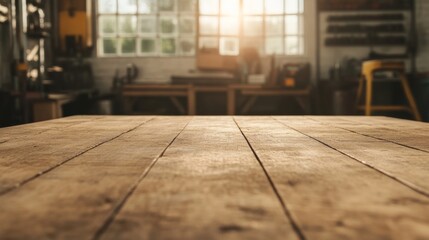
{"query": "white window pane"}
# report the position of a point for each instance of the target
(147, 6)
(148, 46)
(187, 25)
(274, 25)
(148, 25)
(208, 42)
(187, 5)
(253, 26)
(108, 46)
(166, 5)
(274, 6)
(294, 25)
(187, 46)
(209, 25)
(274, 45)
(107, 6)
(229, 46)
(255, 43)
(291, 25)
(229, 26)
(301, 6)
(294, 45)
(127, 6)
(128, 45)
(209, 7)
(230, 7)
(168, 25)
(107, 25)
(294, 6)
(127, 24)
(168, 46)
(253, 6)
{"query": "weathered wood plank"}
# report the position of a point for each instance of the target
(26, 158)
(407, 133)
(31, 129)
(406, 165)
(72, 201)
(330, 195)
(208, 185)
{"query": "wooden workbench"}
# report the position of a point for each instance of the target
(215, 178)
(132, 91)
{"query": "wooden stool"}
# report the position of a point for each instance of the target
(398, 68)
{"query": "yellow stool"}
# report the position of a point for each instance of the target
(398, 68)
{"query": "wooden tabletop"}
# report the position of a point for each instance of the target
(215, 178)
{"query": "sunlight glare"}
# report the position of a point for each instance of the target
(229, 26)
(253, 6)
(274, 7)
(230, 7)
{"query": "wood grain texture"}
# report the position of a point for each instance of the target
(135, 177)
(29, 130)
(72, 201)
(406, 165)
(208, 185)
(330, 195)
(25, 158)
(407, 133)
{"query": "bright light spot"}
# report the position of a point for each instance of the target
(230, 7)
(253, 6)
(209, 7)
(229, 26)
(274, 6)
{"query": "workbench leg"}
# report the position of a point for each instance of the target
(59, 110)
(410, 98)
(304, 103)
(231, 102)
(178, 105)
(249, 104)
(127, 105)
(360, 90)
(191, 101)
(368, 102)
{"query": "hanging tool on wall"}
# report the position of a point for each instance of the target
(4, 11)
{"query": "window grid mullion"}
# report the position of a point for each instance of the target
(177, 15)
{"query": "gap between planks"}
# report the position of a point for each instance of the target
(25, 181)
(401, 181)
(273, 186)
(115, 211)
(370, 136)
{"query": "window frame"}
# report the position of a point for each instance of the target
(195, 15)
(138, 36)
(263, 37)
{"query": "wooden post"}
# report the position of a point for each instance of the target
(231, 101)
(191, 100)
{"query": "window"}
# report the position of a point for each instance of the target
(169, 27)
(146, 27)
(271, 26)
